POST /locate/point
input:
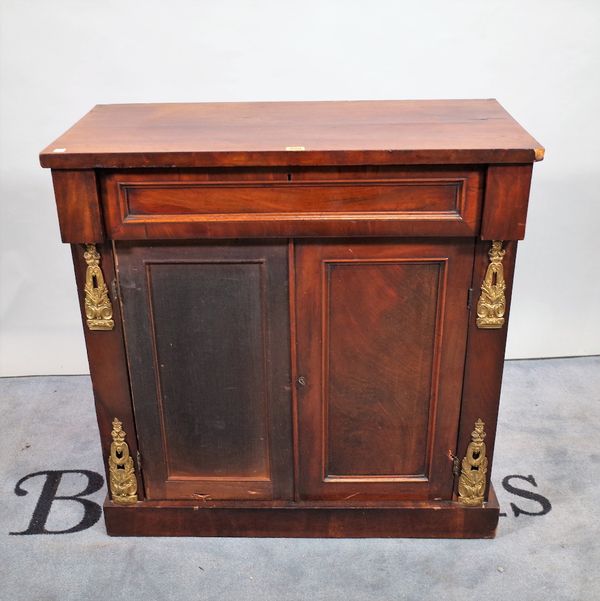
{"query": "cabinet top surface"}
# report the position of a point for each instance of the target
(293, 133)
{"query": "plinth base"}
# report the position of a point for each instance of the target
(441, 519)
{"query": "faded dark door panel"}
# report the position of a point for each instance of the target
(207, 340)
(381, 346)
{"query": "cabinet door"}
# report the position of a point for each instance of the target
(206, 332)
(381, 330)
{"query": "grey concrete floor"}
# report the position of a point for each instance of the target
(548, 433)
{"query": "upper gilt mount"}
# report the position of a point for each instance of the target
(491, 305)
(98, 308)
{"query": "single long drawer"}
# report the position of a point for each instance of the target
(172, 204)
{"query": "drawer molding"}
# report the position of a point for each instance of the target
(140, 207)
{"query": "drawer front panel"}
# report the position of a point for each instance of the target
(154, 205)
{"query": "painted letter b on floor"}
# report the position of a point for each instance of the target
(91, 511)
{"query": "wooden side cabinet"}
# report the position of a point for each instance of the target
(296, 313)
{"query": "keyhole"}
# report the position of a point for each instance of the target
(94, 281)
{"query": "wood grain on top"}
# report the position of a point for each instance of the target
(293, 133)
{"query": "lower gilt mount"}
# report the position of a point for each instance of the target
(123, 483)
(471, 483)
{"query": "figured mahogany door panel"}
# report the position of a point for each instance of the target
(381, 331)
(207, 340)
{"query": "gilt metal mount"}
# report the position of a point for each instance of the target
(471, 482)
(492, 300)
(98, 308)
(123, 483)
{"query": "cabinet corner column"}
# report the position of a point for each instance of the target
(485, 358)
(106, 353)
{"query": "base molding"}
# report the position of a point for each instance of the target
(412, 520)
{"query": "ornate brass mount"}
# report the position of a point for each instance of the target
(98, 308)
(471, 483)
(123, 484)
(492, 301)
